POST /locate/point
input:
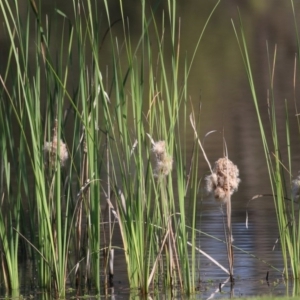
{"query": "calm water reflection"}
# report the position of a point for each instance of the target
(219, 80)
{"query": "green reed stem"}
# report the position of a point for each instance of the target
(9, 238)
(285, 212)
(146, 97)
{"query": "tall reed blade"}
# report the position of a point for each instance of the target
(89, 139)
(279, 173)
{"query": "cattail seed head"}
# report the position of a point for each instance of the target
(159, 149)
(224, 180)
(164, 161)
(50, 149)
(296, 187)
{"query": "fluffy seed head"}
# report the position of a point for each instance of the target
(50, 150)
(159, 149)
(296, 187)
(164, 161)
(224, 180)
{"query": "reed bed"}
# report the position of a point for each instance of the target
(96, 152)
(279, 160)
(92, 150)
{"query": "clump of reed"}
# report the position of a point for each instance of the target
(278, 155)
(108, 152)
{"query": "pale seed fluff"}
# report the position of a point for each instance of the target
(164, 161)
(296, 187)
(50, 149)
(224, 180)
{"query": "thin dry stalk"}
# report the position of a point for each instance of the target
(176, 256)
(222, 183)
(109, 258)
(85, 190)
(210, 258)
(192, 121)
(158, 258)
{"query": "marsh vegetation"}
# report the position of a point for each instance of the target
(94, 149)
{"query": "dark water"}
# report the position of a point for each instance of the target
(219, 80)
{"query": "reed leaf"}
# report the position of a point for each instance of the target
(279, 173)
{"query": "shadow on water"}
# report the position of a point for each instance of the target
(218, 78)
